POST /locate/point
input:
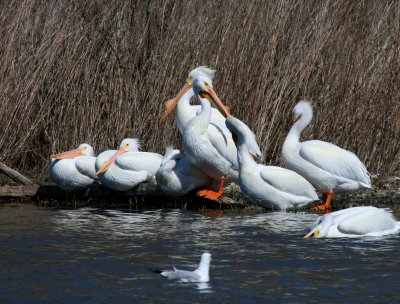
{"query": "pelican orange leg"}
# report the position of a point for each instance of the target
(326, 204)
(211, 194)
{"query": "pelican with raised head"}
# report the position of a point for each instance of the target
(269, 186)
(74, 170)
(354, 222)
(177, 175)
(185, 111)
(127, 167)
(214, 152)
(327, 167)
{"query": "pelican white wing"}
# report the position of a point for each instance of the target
(355, 222)
(335, 160)
(288, 181)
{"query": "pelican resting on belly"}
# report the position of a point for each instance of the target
(355, 222)
(74, 170)
(327, 167)
(269, 186)
(177, 175)
(126, 168)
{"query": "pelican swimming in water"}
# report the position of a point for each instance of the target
(327, 167)
(185, 111)
(200, 275)
(74, 170)
(177, 175)
(126, 168)
(354, 222)
(269, 186)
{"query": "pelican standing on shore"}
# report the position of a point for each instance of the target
(74, 170)
(177, 175)
(355, 222)
(127, 167)
(213, 152)
(269, 186)
(209, 125)
(327, 167)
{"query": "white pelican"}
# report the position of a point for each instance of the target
(354, 222)
(209, 145)
(269, 186)
(126, 168)
(214, 153)
(185, 111)
(200, 275)
(177, 175)
(74, 170)
(326, 166)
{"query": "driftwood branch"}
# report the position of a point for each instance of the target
(15, 175)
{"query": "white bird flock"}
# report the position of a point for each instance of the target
(218, 147)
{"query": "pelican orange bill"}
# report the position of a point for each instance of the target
(171, 104)
(69, 154)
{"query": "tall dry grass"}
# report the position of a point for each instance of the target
(97, 71)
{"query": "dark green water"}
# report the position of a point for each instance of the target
(103, 256)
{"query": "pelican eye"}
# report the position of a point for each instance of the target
(84, 148)
(207, 85)
(189, 80)
(316, 233)
(126, 146)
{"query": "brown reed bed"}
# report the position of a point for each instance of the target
(97, 71)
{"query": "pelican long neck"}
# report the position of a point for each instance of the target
(169, 165)
(299, 126)
(183, 110)
(204, 117)
(244, 157)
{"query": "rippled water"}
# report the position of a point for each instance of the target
(102, 256)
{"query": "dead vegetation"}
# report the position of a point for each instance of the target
(97, 71)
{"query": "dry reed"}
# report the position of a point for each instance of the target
(97, 71)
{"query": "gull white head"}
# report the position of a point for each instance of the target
(127, 145)
(82, 151)
(204, 267)
(321, 226)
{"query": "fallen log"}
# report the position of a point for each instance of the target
(15, 175)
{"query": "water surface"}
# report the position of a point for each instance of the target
(103, 256)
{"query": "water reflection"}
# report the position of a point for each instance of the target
(93, 255)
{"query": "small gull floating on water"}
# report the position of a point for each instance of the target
(200, 275)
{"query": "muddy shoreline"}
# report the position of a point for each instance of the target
(385, 194)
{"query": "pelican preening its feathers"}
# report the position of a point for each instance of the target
(327, 167)
(74, 170)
